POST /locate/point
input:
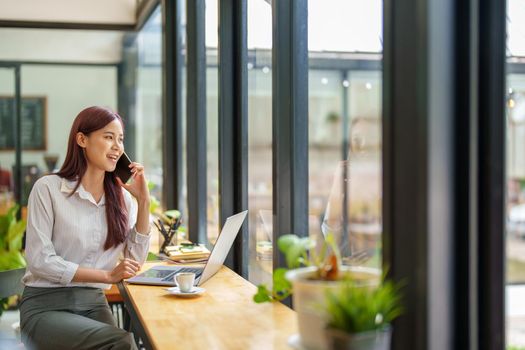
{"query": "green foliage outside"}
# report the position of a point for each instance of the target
(154, 203)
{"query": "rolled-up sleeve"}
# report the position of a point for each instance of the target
(137, 243)
(41, 257)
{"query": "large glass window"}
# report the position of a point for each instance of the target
(212, 119)
(515, 170)
(260, 141)
(148, 142)
(345, 186)
(148, 105)
(183, 102)
(7, 89)
(54, 95)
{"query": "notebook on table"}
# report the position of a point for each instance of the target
(187, 252)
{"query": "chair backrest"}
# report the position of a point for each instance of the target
(10, 282)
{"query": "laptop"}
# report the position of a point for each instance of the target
(163, 275)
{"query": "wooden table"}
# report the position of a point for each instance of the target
(224, 317)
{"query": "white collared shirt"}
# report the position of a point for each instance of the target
(65, 232)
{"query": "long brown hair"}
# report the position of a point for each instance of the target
(75, 165)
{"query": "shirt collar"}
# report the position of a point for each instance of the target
(67, 186)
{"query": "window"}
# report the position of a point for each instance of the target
(148, 143)
(345, 185)
(260, 141)
(515, 170)
(212, 120)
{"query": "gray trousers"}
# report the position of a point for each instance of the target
(70, 318)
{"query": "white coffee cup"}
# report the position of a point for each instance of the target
(184, 281)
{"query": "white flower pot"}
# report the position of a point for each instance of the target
(371, 340)
(308, 298)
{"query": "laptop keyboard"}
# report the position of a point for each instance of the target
(169, 277)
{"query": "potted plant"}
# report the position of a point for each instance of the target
(360, 318)
(311, 272)
(12, 262)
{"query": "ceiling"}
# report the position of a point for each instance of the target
(74, 14)
(73, 31)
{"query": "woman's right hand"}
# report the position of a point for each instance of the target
(126, 269)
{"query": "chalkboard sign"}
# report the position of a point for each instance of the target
(34, 118)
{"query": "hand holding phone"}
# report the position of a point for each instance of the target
(122, 170)
(126, 169)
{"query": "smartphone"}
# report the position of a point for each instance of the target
(122, 169)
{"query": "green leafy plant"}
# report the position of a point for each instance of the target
(353, 308)
(11, 234)
(299, 251)
(168, 217)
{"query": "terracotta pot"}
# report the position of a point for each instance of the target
(372, 340)
(308, 299)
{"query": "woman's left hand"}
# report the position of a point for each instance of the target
(138, 186)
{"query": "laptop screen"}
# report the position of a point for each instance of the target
(222, 246)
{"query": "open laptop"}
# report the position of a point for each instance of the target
(163, 275)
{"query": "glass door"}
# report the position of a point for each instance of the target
(10, 132)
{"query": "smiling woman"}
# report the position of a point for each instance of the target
(80, 221)
(97, 133)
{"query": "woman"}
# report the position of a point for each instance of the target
(80, 221)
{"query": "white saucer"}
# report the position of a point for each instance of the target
(194, 292)
(294, 341)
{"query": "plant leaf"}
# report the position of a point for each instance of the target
(286, 241)
(11, 213)
(3, 233)
(154, 204)
(295, 249)
(281, 286)
(15, 235)
(4, 225)
(6, 221)
(172, 214)
(11, 260)
(353, 308)
(262, 295)
(152, 257)
(151, 185)
(293, 255)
